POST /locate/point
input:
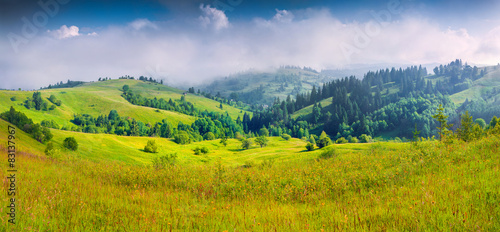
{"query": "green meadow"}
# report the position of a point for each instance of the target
(109, 184)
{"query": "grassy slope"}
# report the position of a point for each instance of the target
(308, 110)
(100, 97)
(479, 88)
(150, 90)
(383, 186)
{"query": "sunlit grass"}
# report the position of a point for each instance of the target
(378, 186)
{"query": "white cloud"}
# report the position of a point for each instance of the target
(283, 16)
(182, 53)
(139, 24)
(65, 32)
(213, 17)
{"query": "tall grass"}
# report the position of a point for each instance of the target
(398, 187)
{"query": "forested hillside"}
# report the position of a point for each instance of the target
(388, 103)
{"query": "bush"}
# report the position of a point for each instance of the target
(13, 98)
(223, 141)
(50, 150)
(209, 136)
(199, 151)
(327, 153)
(164, 161)
(249, 164)
(365, 138)
(238, 136)
(324, 142)
(70, 143)
(246, 144)
(310, 146)
(353, 140)
(341, 140)
(49, 124)
(286, 137)
(182, 137)
(151, 147)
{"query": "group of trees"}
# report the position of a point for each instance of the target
(181, 106)
(21, 121)
(36, 102)
(141, 78)
(468, 129)
(457, 76)
(208, 126)
(68, 84)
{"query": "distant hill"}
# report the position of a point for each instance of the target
(263, 87)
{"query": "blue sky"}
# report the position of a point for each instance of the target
(191, 41)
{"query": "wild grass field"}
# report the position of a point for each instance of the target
(430, 186)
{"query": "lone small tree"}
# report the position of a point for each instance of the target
(465, 130)
(262, 141)
(443, 125)
(246, 143)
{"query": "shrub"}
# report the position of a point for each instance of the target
(323, 142)
(209, 136)
(223, 141)
(286, 136)
(50, 150)
(199, 151)
(49, 124)
(151, 147)
(365, 138)
(353, 140)
(182, 137)
(310, 146)
(164, 161)
(238, 136)
(246, 144)
(70, 143)
(327, 153)
(13, 98)
(249, 164)
(341, 140)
